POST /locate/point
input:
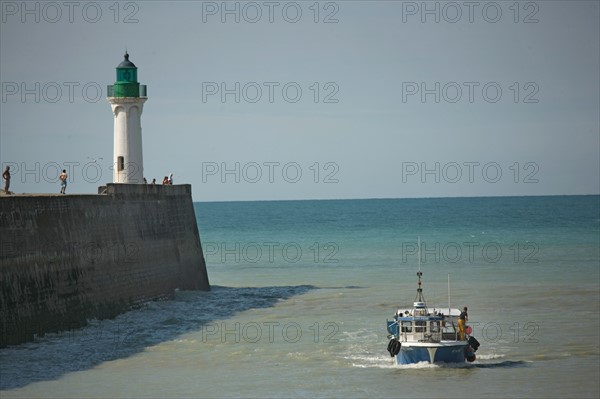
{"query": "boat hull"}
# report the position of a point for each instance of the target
(432, 353)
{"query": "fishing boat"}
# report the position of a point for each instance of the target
(432, 335)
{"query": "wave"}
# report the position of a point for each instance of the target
(506, 363)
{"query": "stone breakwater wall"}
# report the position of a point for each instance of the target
(66, 259)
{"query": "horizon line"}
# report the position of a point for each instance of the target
(401, 198)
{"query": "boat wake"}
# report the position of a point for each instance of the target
(484, 361)
(366, 361)
(426, 365)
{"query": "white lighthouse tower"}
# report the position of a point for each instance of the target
(127, 98)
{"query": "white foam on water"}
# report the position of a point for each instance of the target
(490, 356)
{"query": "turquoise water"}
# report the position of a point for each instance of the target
(302, 289)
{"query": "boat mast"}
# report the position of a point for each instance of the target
(419, 297)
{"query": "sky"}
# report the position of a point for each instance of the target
(280, 100)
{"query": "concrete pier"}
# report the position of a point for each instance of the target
(68, 258)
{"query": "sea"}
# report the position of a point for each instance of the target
(301, 291)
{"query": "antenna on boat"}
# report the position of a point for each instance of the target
(449, 294)
(419, 258)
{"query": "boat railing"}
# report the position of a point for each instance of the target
(450, 335)
(420, 337)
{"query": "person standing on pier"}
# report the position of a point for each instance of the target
(6, 177)
(63, 181)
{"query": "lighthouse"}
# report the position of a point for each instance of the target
(127, 98)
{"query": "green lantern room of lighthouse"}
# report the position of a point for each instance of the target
(126, 84)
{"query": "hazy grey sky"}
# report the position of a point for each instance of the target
(301, 100)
